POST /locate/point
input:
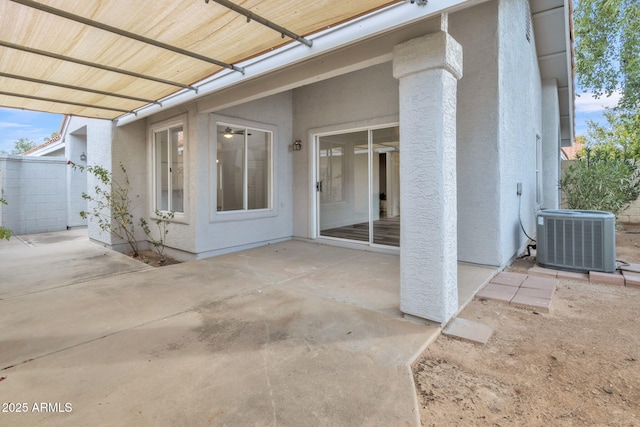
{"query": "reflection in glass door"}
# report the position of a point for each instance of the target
(358, 186)
(343, 168)
(385, 151)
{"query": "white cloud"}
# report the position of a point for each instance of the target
(8, 125)
(587, 103)
(16, 124)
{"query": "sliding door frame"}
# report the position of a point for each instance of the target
(315, 175)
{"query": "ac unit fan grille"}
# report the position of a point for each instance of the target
(572, 243)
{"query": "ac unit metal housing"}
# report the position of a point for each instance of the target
(576, 240)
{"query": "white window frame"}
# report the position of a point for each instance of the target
(241, 214)
(153, 167)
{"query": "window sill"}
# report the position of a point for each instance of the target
(227, 216)
(178, 217)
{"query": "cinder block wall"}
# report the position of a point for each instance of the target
(632, 214)
(35, 189)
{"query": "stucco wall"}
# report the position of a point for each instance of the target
(520, 122)
(129, 149)
(499, 116)
(477, 134)
(96, 134)
(35, 189)
(75, 146)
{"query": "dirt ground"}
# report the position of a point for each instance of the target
(579, 365)
(154, 260)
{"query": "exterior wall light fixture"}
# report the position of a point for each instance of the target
(297, 145)
(83, 156)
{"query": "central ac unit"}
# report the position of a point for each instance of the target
(576, 240)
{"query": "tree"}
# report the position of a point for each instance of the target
(607, 48)
(607, 53)
(622, 132)
(22, 145)
(605, 175)
(49, 138)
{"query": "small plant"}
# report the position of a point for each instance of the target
(111, 196)
(162, 222)
(5, 233)
(111, 204)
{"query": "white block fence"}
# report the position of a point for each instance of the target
(35, 189)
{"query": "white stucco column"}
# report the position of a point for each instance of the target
(428, 69)
(550, 145)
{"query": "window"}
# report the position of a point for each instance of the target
(244, 168)
(168, 168)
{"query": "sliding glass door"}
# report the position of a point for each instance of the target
(358, 186)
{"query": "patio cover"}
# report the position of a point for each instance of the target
(105, 58)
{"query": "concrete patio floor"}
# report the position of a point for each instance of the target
(287, 334)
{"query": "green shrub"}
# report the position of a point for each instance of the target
(162, 221)
(113, 197)
(110, 204)
(601, 179)
(5, 233)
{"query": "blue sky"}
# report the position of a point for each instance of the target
(589, 108)
(16, 124)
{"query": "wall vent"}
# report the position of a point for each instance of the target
(576, 240)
